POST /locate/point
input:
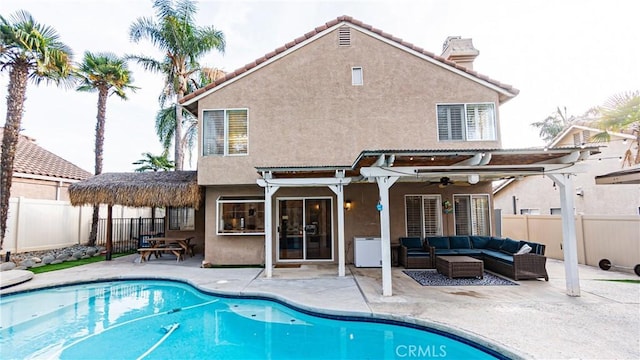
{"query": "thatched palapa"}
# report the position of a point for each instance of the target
(143, 189)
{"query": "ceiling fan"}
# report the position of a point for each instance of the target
(446, 181)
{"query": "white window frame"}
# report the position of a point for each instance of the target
(423, 227)
(186, 219)
(472, 222)
(242, 220)
(465, 126)
(357, 76)
(226, 132)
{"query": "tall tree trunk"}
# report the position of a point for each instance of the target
(179, 148)
(103, 93)
(16, 90)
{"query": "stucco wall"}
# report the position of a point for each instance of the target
(362, 220)
(39, 189)
(303, 110)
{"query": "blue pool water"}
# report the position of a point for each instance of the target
(147, 319)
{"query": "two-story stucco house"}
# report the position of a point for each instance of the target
(349, 132)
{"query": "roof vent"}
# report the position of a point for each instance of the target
(344, 36)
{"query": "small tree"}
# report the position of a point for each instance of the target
(553, 125)
(152, 162)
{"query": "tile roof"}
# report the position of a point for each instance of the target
(348, 19)
(35, 160)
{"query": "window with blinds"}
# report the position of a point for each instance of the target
(181, 219)
(471, 214)
(225, 132)
(466, 122)
(423, 216)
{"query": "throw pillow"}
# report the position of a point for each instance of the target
(525, 249)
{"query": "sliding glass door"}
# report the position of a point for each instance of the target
(305, 229)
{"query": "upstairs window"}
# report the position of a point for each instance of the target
(356, 76)
(466, 122)
(225, 132)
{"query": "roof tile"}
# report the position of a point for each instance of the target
(33, 159)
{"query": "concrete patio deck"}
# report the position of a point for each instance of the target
(535, 320)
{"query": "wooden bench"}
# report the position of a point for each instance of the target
(145, 253)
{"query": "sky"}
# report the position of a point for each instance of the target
(572, 54)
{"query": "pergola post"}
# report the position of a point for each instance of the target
(384, 183)
(269, 190)
(569, 243)
(339, 191)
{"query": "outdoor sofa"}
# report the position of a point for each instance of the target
(498, 255)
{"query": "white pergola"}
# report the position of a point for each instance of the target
(386, 167)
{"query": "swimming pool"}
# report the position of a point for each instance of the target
(151, 319)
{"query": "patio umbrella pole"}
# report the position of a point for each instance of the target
(109, 233)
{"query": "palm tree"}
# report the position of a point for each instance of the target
(183, 43)
(29, 51)
(107, 74)
(154, 162)
(621, 113)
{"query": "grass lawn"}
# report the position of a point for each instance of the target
(69, 264)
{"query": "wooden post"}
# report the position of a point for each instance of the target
(109, 233)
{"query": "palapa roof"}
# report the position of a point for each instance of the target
(142, 189)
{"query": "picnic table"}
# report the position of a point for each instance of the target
(174, 245)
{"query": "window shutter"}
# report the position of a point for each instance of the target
(480, 122)
(450, 125)
(414, 214)
(431, 207)
(213, 133)
(461, 214)
(480, 215)
(237, 133)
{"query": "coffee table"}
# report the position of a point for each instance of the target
(459, 266)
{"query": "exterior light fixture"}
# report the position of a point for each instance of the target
(347, 205)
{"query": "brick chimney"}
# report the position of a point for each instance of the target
(460, 51)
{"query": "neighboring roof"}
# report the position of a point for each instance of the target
(489, 164)
(508, 90)
(627, 176)
(571, 128)
(35, 160)
(143, 189)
